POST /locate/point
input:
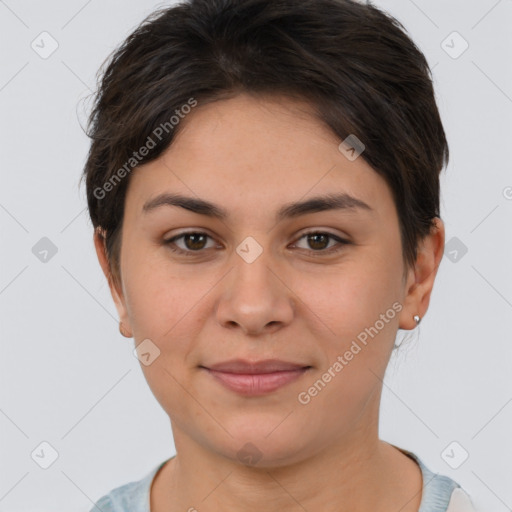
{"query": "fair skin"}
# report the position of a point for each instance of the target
(296, 302)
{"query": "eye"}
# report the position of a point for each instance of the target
(319, 242)
(194, 242)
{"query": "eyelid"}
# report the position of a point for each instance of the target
(322, 231)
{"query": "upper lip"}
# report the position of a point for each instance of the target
(254, 367)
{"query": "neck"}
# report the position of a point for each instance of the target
(358, 473)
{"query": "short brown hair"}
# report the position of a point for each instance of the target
(353, 63)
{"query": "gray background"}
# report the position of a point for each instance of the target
(68, 378)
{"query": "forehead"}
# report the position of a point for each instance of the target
(258, 151)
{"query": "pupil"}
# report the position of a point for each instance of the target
(194, 244)
(315, 238)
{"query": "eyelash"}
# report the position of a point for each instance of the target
(171, 243)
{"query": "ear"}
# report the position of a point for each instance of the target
(117, 293)
(420, 280)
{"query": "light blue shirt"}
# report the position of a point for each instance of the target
(440, 493)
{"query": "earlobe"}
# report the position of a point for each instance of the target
(117, 295)
(421, 279)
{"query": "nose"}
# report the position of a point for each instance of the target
(254, 297)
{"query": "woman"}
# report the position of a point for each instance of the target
(263, 181)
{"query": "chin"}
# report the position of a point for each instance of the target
(266, 445)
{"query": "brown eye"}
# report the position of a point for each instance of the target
(193, 241)
(318, 241)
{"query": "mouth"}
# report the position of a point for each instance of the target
(255, 378)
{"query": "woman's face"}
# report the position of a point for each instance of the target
(252, 286)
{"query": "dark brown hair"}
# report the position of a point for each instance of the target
(353, 63)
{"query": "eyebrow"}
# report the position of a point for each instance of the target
(322, 203)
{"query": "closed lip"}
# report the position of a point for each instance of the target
(242, 366)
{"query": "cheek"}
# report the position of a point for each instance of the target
(345, 300)
(359, 319)
(160, 298)
(356, 309)
(164, 307)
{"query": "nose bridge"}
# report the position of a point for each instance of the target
(253, 297)
(254, 280)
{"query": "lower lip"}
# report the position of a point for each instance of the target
(257, 384)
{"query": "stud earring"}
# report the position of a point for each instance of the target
(417, 319)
